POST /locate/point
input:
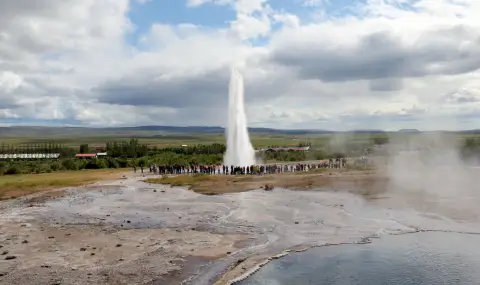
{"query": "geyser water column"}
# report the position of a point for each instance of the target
(240, 151)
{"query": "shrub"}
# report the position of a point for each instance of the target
(122, 162)
(112, 162)
(97, 163)
(70, 164)
(13, 169)
(56, 166)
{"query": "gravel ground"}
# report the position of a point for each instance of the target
(131, 232)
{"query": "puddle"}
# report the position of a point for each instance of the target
(421, 258)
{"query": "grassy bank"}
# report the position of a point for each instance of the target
(13, 186)
(172, 139)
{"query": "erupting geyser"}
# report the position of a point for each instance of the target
(240, 151)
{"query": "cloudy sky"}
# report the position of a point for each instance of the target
(322, 64)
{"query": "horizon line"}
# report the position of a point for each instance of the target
(220, 127)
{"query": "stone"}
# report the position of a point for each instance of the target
(268, 187)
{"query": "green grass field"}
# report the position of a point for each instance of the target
(168, 141)
(13, 186)
(259, 141)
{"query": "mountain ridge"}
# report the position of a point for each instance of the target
(159, 130)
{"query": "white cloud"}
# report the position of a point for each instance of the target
(314, 3)
(250, 27)
(390, 67)
(9, 81)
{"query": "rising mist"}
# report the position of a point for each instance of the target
(240, 151)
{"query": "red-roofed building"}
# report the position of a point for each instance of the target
(86, 155)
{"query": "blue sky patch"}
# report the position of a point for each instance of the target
(176, 12)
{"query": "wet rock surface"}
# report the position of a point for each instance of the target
(115, 235)
(126, 233)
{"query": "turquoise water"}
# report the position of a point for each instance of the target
(411, 259)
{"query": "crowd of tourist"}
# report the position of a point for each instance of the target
(245, 170)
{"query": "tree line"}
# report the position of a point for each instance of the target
(214, 148)
(123, 154)
(126, 149)
(72, 164)
(47, 147)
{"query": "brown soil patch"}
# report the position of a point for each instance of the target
(367, 182)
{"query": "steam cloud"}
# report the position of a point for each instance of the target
(240, 151)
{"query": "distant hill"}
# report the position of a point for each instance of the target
(159, 131)
(368, 132)
(409, 131)
(156, 131)
(217, 130)
(473, 131)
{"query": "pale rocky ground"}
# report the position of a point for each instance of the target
(131, 232)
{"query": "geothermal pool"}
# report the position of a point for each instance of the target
(426, 258)
(161, 227)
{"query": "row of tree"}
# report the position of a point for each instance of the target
(72, 164)
(299, 155)
(129, 149)
(126, 149)
(47, 148)
(116, 149)
(133, 149)
(215, 148)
